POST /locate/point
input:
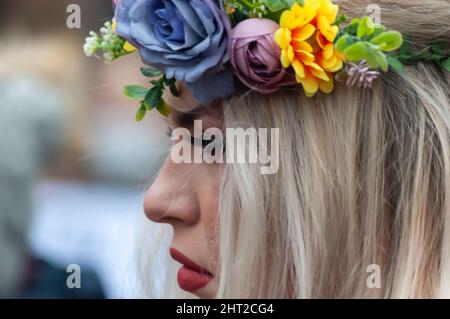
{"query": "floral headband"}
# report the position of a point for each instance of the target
(266, 44)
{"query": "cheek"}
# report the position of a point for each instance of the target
(209, 192)
(209, 180)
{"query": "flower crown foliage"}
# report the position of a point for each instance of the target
(265, 44)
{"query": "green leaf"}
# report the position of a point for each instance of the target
(275, 5)
(343, 42)
(423, 55)
(289, 3)
(163, 108)
(438, 48)
(388, 41)
(396, 64)
(153, 97)
(150, 72)
(379, 29)
(445, 64)
(434, 57)
(381, 60)
(169, 82)
(406, 46)
(174, 90)
(405, 52)
(238, 16)
(354, 21)
(135, 92)
(372, 57)
(353, 26)
(356, 52)
(140, 114)
(339, 20)
(365, 27)
(279, 5)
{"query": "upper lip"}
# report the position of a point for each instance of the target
(182, 259)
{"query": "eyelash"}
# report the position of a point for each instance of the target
(204, 142)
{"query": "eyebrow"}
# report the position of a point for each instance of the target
(186, 119)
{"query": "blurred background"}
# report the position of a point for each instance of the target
(74, 164)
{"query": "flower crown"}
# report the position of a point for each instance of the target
(266, 44)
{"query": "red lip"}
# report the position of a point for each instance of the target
(191, 276)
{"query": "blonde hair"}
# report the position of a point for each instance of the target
(364, 179)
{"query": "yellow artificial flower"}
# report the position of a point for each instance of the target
(306, 37)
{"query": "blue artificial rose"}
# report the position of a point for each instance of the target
(186, 39)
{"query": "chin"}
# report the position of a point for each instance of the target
(207, 292)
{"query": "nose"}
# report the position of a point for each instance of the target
(172, 197)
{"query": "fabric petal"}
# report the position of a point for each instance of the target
(310, 84)
(327, 86)
(303, 33)
(213, 87)
(298, 68)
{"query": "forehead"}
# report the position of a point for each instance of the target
(210, 116)
(185, 102)
(185, 108)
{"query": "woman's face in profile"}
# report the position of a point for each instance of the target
(186, 197)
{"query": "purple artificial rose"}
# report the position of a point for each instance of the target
(185, 39)
(255, 56)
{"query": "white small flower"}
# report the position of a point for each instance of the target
(108, 56)
(107, 43)
(91, 44)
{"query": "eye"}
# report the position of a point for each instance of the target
(203, 142)
(194, 140)
(199, 141)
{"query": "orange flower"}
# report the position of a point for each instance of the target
(306, 37)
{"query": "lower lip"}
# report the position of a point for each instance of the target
(192, 280)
